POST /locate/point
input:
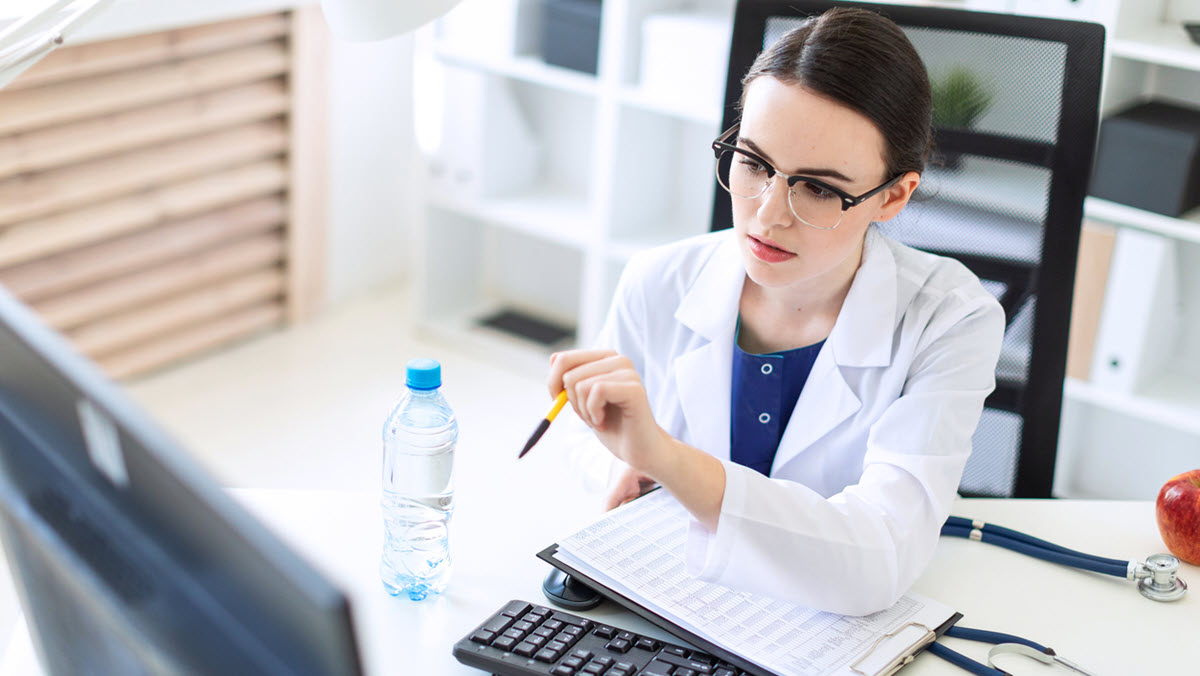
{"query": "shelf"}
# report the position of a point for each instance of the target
(524, 68)
(1186, 228)
(1172, 400)
(1164, 45)
(462, 329)
(545, 212)
(696, 112)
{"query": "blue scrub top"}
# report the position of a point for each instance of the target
(765, 390)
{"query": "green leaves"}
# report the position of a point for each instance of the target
(959, 98)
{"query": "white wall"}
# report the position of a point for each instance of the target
(373, 204)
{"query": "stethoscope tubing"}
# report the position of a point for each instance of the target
(963, 662)
(1041, 549)
(994, 637)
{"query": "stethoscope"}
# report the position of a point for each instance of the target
(1157, 579)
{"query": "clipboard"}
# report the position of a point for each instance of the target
(917, 643)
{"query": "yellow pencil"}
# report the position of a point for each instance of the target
(559, 402)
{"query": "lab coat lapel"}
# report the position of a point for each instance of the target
(861, 337)
(704, 375)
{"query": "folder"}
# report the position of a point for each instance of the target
(633, 556)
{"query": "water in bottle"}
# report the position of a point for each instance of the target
(418, 490)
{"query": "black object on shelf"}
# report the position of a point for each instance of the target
(1193, 31)
(571, 34)
(1149, 158)
(528, 327)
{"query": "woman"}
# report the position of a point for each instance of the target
(806, 387)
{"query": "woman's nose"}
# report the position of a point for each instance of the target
(773, 208)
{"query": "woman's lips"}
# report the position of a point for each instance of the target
(766, 252)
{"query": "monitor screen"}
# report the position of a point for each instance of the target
(127, 557)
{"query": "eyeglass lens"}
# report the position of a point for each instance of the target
(743, 176)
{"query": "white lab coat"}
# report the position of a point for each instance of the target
(871, 459)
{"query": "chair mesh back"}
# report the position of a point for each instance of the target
(1004, 195)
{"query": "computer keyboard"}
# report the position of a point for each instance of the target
(524, 639)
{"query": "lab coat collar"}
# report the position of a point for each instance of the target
(861, 337)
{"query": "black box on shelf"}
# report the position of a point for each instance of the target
(571, 34)
(1149, 158)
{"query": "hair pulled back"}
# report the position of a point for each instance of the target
(864, 61)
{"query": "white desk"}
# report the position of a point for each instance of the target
(1100, 622)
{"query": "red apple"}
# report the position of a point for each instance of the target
(1178, 511)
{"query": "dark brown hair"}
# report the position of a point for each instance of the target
(862, 60)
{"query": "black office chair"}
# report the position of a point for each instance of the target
(1004, 195)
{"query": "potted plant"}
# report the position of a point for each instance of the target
(959, 99)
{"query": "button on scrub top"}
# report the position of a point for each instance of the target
(765, 390)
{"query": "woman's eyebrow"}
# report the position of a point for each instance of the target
(814, 172)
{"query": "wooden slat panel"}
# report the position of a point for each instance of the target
(40, 279)
(30, 240)
(24, 198)
(111, 55)
(123, 331)
(151, 284)
(309, 154)
(192, 340)
(28, 109)
(56, 146)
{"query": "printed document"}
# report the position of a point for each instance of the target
(637, 551)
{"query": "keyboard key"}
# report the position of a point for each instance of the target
(594, 668)
(540, 612)
(554, 624)
(606, 662)
(515, 633)
(562, 670)
(523, 625)
(624, 666)
(557, 646)
(724, 672)
(625, 636)
(605, 632)
(568, 639)
(483, 636)
(647, 644)
(675, 650)
(543, 631)
(525, 649)
(572, 630)
(683, 671)
(504, 643)
(538, 641)
(573, 662)
(619, 645)
(657, 668)
(686, 663)
(546, 655)
(497, 624)
(582, 654)
(515, 608)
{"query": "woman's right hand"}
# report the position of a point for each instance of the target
(629, 485)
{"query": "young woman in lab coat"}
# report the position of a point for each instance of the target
(805, 386)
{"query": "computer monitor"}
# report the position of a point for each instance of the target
(127, 557)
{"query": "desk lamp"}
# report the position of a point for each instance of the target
(29, 38)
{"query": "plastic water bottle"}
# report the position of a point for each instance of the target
(418, 490)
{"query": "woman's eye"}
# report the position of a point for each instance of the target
(817, 191)
(751, 165)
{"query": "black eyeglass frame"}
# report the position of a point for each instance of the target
(721, 144)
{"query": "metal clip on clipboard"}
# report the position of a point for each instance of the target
(926, 638)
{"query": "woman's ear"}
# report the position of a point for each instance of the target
(895, 197)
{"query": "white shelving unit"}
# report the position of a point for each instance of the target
(643, 178)
(625, 168)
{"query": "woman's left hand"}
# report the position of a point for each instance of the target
(607, 394)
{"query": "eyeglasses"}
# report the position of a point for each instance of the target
(814, 202)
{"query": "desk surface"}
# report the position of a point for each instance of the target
(1100, 622)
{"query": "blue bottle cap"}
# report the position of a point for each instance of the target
(424, 374)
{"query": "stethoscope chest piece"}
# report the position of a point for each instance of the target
(1157, 578)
